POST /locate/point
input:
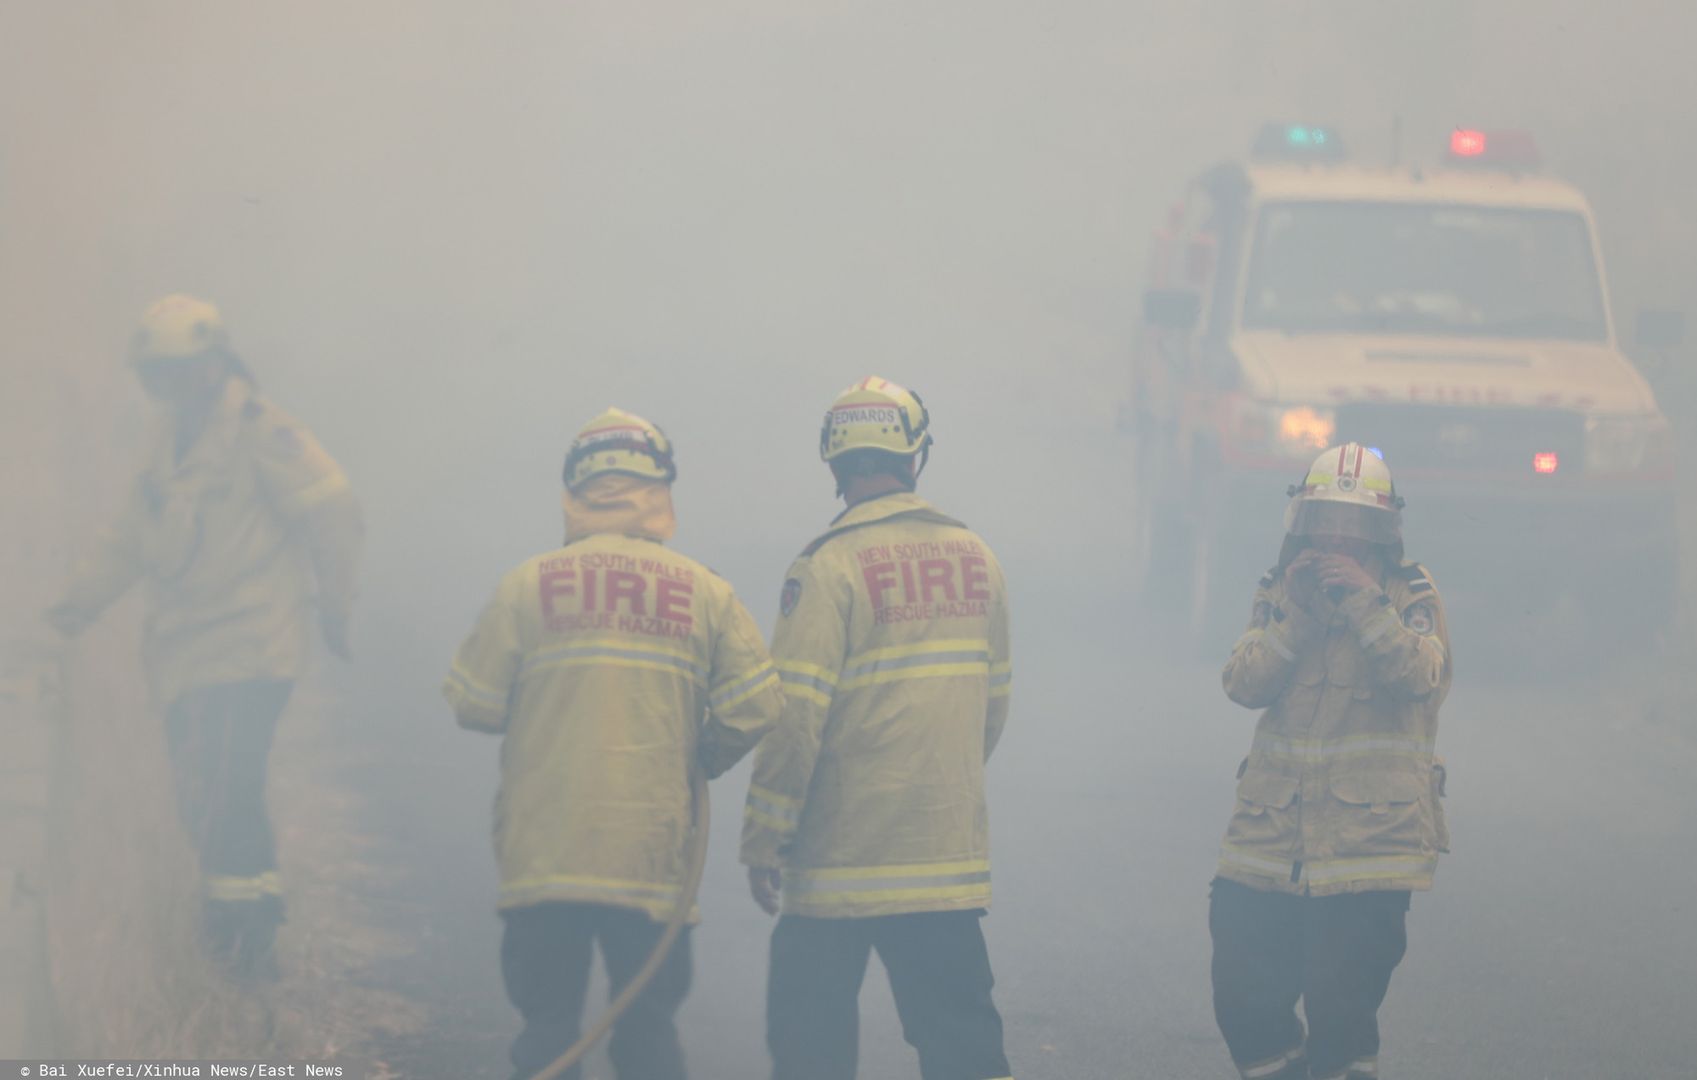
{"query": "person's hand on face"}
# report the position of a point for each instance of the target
(1340, 571)
(1302, 579)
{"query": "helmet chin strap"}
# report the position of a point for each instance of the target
(924, 460)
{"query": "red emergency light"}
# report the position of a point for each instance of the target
(1545, 462)
(1498, 149)
(1466, 144)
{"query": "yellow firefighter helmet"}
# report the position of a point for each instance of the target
(179, 327)
(1347, 492)
(619, 442)
(876, 414)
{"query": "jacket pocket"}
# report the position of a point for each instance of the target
(1267, 790)
(1265, 820)
(1380, 814)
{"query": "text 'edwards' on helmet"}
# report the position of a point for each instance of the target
(1347, 492)
(621, 442)
(178, 327)
(875, 414)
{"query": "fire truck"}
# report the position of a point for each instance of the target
(1452, 316)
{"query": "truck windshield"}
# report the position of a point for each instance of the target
(1404, 268)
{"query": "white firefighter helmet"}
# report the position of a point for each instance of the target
(619, 442)
(1347, 492)
(876, 414)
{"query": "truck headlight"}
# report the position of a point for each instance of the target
(1305, 428)
(1620, 444)
(1287, 430)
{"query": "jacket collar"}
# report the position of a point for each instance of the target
(627, 505)
(903, 504)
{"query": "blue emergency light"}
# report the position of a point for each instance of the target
(1298, 142)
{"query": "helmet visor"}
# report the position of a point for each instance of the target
(1325, 517)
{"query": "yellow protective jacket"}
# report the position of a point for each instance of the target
(599, 663)
(892, 644)
(229, 540)
(1340, 792)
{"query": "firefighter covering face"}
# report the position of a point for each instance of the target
(1337, 817)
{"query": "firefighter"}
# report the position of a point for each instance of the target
(596, 663)
(245, 532)
(1338, 815)
(866, 816)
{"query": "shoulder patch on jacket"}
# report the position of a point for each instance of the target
(1421, 619)
(790, 597)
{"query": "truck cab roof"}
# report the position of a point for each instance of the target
(1348, 182)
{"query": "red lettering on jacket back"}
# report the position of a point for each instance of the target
(880, 577)
(626, 585)
(613, 593)
(554, 584)
(919, 585)
(975, 570)
(937, 574)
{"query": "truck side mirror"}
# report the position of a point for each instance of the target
(1659, 329)
(1172, 309)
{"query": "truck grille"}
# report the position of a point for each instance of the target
(1447, 438)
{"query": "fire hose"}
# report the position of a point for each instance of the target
(697, 863)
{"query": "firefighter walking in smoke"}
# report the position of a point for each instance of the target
(596, 663)
(1338, 814)
(242, 526)
(866, 814)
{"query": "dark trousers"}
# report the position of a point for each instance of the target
(220, 738)
(546, 953)
(939, 972)
(1335, 953)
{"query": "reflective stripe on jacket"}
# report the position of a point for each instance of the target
(597, 663)
(229, 541)
(892, 644)
(1340, 792)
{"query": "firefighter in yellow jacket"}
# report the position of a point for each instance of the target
(1338, 815)
(246, 533)
(597, 664)
(866, 813)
